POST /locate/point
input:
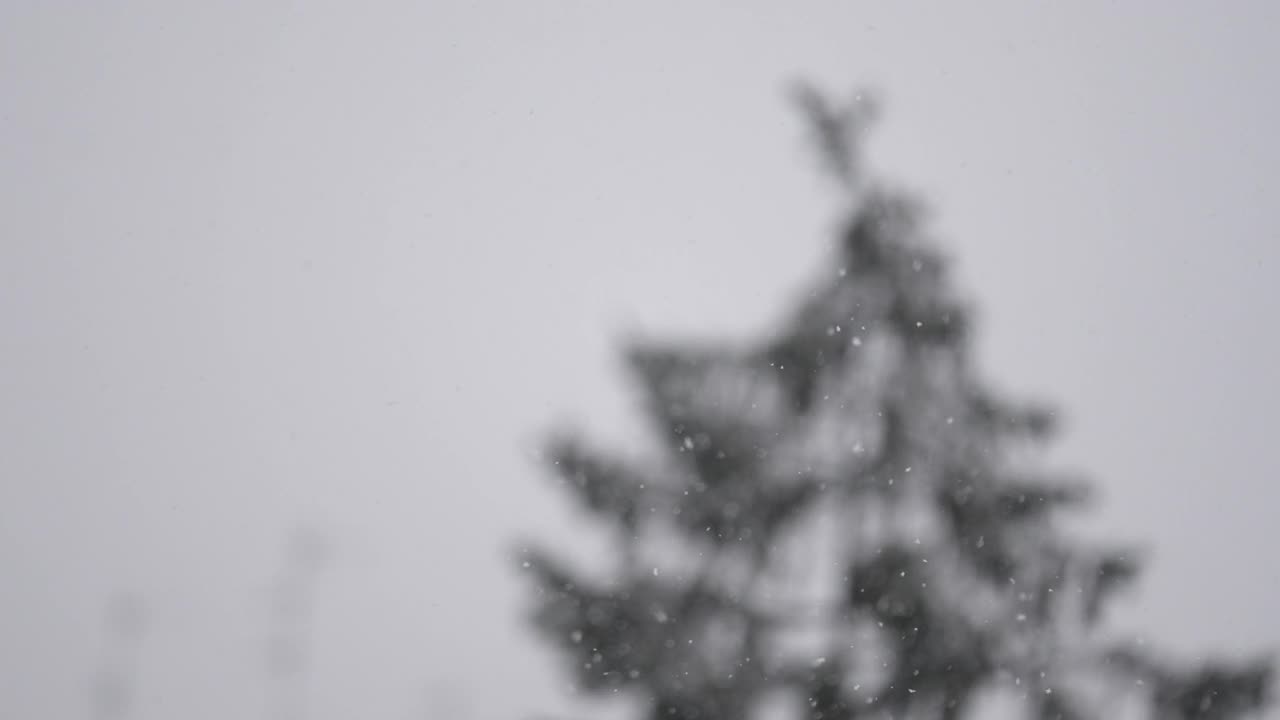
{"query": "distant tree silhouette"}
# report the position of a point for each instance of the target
(288, 656)
(842, 521)
(115, 682)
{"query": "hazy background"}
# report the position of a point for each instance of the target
(268, 266)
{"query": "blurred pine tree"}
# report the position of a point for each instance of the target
(843, 521)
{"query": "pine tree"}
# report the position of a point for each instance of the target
(844, 522)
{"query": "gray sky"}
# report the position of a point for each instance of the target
(277, 265)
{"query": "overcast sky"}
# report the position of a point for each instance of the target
(268, 266)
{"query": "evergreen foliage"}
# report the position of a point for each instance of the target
(844, 522)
